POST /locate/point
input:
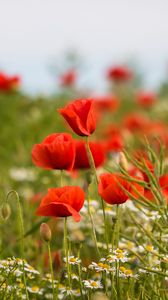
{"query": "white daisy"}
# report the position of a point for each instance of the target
(92, 284)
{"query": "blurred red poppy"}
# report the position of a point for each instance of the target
(135, 122)
(68, 79)
(62, 202)
(114, 144)
(119, 73)
(80, 115)
(146, 99)
(81, 158)
(135, 172)
(56, 260)
(144, 163)
(106, 103)
(57, 151)
(163, 182)
(112, 129)
(8, 83)
(111, 188)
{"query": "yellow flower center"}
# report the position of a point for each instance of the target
(73, 259)
(120, 255)
(128, 272)
(122, 269)
(35, 288)
(94, 284)
(119, 251)
(149, 247)
(30, 268)
(104, 266)
(130, 245)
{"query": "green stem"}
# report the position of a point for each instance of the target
(51, 269)
(117, 225)
(21, 228)
(93, 168)
(61, 178)
(113, 233)
(93, 228)
(66, 251)
(80, 277)
(161, 248)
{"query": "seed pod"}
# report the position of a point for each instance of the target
(45, 232)
(123, 161)
(5, 211)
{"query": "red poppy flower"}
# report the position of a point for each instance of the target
(62, 202)
(119, 73)
(106, 103)
(8, 83)
(80, 116)
(112, 129)
(57, 151)
(146, 99)
(56, 260)
(68, 79)
(144, 162)
(110, 188)
(163, 182)
(135, 172)
(150, 196)
(135, 122)
(81, 158)
(157, 129)
(14, 81)
(114, 144)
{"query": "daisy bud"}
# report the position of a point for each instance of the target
(5, 211)
(45, 232)
(123, 161)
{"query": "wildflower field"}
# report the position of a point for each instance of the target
(84, 191)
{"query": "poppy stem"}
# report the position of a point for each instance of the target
(118, 225)
(93, 227)
(114, 220)
(61, 178)
(93, 169)
(80, 276)
(21, 229)
(51, 269)
(66, 250)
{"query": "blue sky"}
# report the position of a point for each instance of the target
(35, 32)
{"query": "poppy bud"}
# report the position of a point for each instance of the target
(89, 177)
(5, 211)
(45, 232)
(123, 161)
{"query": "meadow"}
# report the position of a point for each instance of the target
(84, 191)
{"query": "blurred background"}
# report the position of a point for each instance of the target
(35, 37)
